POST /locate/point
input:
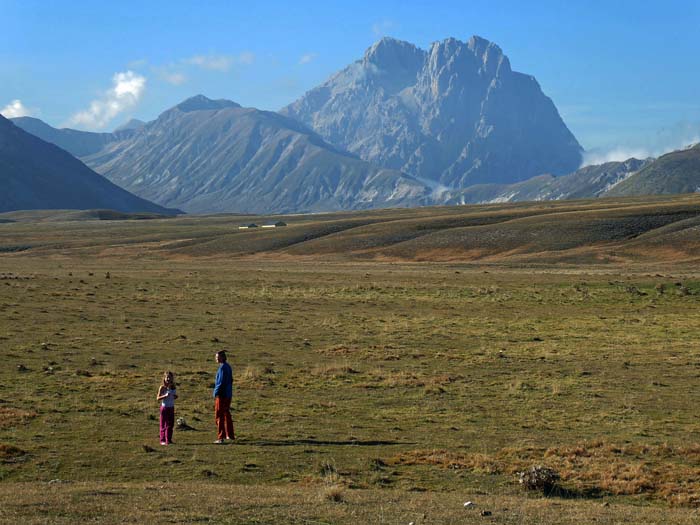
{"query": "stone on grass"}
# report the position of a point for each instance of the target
(181, 424)
(539, 478)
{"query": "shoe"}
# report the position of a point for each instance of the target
(163, 443)
(229, 439)
(219, 442)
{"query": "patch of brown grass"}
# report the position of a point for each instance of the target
(256, 376)
(408, 379)
(338, 350)
(482, 463)
(13, 416)
(653, 471)
(333, 493)
(333, 371)
(10, 452)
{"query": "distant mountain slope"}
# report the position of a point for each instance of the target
(215, 156)
(78, 143)
(675, 172)
(456, 114)
(37, 175)
(585, 183)
(133, 123)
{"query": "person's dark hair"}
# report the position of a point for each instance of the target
(221, 355)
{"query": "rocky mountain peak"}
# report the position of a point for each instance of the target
(479, 45)
(200, 103)
(490, 54)
(133, 123)
(456, 114)
(392, 54)
(478, 54)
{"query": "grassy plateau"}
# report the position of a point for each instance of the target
(389, 366)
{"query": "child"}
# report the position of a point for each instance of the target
(167, 396)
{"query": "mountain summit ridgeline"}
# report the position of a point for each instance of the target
(456, 114)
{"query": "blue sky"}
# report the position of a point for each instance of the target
(624, 74)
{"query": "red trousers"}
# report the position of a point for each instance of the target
(167, 422)
(222, 412)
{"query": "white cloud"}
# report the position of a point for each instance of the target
(212, 62)
(308, 57)
(175, 78)
(171, 76)
(381, 28)
(618, 154)
(126, 91)
(137, 64)
(177, 73)
(15, 109)
(222, 63)
(246, 58)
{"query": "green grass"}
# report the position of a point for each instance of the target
(211, 502)
(400, 382)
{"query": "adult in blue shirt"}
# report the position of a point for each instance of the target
(223, 392)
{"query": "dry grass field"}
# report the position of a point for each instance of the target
(389, 365)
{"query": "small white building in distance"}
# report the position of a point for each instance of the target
(253, 225)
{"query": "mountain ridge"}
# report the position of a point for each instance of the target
(39, 175)
(133, 123)
(674, 172)
(76, 142)
(215, 156)
(587, 182)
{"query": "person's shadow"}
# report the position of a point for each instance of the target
(315, 442)
(323, 442)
